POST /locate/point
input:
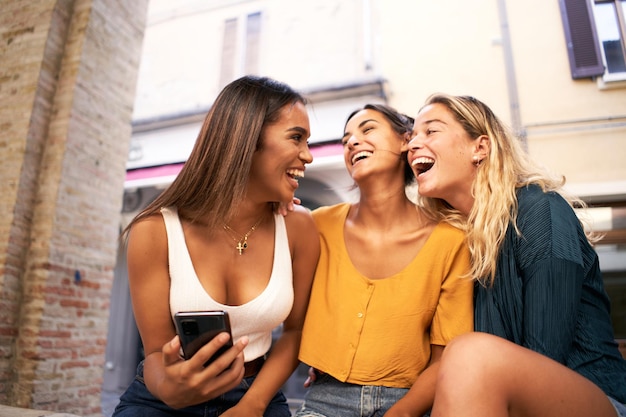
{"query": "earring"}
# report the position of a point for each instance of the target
(476, 161)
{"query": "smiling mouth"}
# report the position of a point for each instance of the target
(422, 164)
(295, 174)
(359, 156)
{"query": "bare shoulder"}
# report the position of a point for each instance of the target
(147, 233)
(301, 229)
(299, 219)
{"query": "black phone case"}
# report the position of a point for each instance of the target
(197, 328)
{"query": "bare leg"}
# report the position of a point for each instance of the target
(483, 375)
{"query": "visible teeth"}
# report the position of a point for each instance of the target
(423, 164)
(361, 155)
(423, 160)
(296, 173)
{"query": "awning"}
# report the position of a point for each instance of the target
(163, 175)
(160, 176)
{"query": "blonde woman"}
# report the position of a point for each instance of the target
(544, 345)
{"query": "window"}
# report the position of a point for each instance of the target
(229, 49)
(240, 47)
(253, 43)
(609, 19)
(595, 31)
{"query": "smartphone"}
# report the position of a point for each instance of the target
(196, 328)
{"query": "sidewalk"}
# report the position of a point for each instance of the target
(109, 401)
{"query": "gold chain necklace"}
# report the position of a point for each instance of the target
(242, 243)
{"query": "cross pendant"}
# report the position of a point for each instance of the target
(241, 247)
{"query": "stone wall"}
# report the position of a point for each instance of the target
(68, 73)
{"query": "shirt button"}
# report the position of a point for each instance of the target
(360, 315)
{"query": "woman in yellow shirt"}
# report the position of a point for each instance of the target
(390, 289)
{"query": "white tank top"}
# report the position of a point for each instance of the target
(256, 318)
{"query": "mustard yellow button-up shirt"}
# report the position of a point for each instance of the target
(379, 331)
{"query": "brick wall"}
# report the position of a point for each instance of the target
(67, 82)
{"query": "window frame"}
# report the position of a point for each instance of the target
(241, 44)
(618, 10)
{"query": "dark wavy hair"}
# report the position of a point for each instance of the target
(400, 123)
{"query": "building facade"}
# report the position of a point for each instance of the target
(557, 78)
(68, 72)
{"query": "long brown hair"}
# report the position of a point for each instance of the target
(214, 178)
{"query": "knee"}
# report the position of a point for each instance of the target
(471, 355)
(468, 347)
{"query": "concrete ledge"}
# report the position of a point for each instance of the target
(6, 411)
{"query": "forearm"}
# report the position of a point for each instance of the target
(280, 364)
(552, 331)
(419, 399)
(154, 374)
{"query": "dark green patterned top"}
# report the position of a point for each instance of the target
(548, 293)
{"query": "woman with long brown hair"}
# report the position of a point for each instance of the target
(213, 241)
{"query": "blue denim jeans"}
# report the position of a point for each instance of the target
(137, 401)
(328, 397)
(619, 407)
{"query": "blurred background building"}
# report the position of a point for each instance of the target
(554, 71)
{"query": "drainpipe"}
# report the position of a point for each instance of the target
(367, 35)
(509, 68)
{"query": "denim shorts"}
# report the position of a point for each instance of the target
(137, 401)
(619, 407)
(328, 397)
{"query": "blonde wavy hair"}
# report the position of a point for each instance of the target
(506, 168)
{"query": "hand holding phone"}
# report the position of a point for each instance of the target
(197, 328)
